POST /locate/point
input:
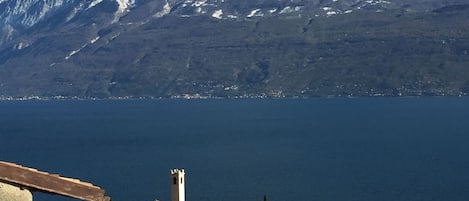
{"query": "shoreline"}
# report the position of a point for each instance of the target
(199, 97)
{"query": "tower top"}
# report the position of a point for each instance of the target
(178, 192)
(177, 171)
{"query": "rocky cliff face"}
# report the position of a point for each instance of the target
(14, 193)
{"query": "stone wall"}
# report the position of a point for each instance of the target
(13, 193)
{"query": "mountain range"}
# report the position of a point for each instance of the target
(233, 48)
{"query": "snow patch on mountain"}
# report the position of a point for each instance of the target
(74, 52)
(166, 10)
(94, 3)
(27, 13)
(199, 3)
(217, 14)
(124, 7)
(330, 11)
(287, 9)
(94, 40)
(21, 45)
(255, 13)
(74, 12)
(290, 9)
(376, 2)
(232, 17)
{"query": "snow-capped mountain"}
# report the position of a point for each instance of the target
(164, 48)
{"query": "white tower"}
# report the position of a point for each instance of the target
(177, 185)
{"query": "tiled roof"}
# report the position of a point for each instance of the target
(50, 183)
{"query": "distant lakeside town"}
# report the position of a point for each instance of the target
(199, 96)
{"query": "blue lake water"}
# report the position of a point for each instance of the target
(365, 149)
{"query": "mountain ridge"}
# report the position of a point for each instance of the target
(20, 15)
(155, 49)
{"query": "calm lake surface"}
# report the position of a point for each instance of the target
(365, 149)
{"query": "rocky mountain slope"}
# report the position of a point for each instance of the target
(18, 16)
(232, 48)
